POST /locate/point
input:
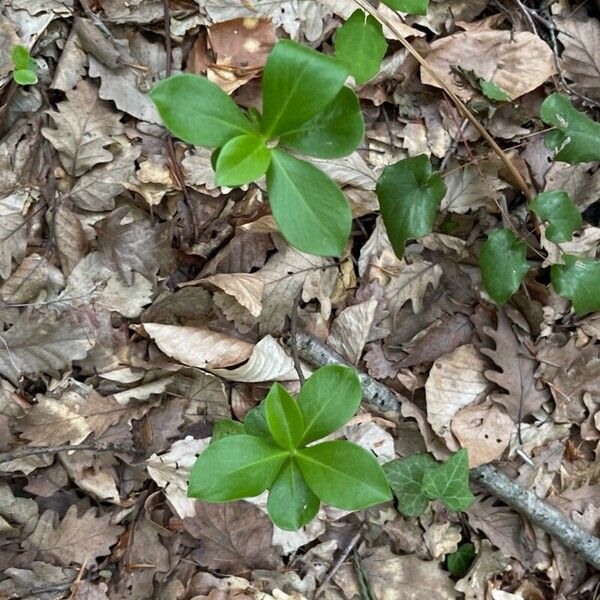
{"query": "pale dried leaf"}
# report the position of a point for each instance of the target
(71, 242)
(246, 289)
(487, 563)
(350, 330)
(442, 539)
(32, 276)
(13, 230)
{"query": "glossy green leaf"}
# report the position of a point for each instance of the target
(335, 131)
(224, 428)
(405, 477)
(503, 264)
(492, 91)
(360, 43)
(449, 482)
(255, 423)
(242, 159)
(412, 7)
(297, 83)
(309, 208)
(460, 561)
(291, 503)
(343, 475)
(239, 466)
(560, 214)
(284, 418)
(25, 77)
(579, 281)
(198, 111)
(20, 57)
(576, 137)
(328, 399)
(409, 196)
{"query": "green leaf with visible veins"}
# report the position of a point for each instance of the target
(198, 111)
(238, 466)
(409, 196)
(309, 208)
(503, 264)
(360, 43)
(298, 82)
(343, 475)
(412, 7)
(449, 482)
(335, 131)
(576, 137)
(284, 418)
(579, 281)
(405, 477)
(328, 399)
(559, 212)
(242, 159)
(291, 502)
(255, 423)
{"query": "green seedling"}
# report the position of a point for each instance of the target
(276, 451)
(25, 71)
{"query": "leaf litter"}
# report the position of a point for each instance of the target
(140, 303)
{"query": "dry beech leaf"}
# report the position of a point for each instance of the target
(350, 330)
(74, 540)
(442, 539)
(199, 347)
(517, 62)
(32, 276)
(236, 537)
(246, 289)
(71, 242)
(268, 362)
(13, 230)
(455, 381)
(84, 127)
(485, 432)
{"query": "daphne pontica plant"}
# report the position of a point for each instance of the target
(25, 67)
(307, 110)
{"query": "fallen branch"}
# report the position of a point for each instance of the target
(537, 511)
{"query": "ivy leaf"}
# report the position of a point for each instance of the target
(328, 399)
(239, 466)
(503, 264)
(25, 77)
(405, 477)
(412, 7)
(242, 159)
(297, 83)
(559, 212)
(291, 502)
(224, 428)
(449, 482)
(20, 57)
(492, 91)
(198, 111)
(335, 131)
(309, 208)
(360, 43)
(343, 475)
(579, 281)
(576, 137)
(409, 196)
(283, 417)
(459, 562)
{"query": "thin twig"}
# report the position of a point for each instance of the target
(293, 336)
(37, 450)
(338, 563)
(540, 513)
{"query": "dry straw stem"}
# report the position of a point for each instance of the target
(518, 178)
(540, 513)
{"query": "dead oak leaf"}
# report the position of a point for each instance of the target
(13, 230)
(84, 127)
(74, 540)
(235, 537)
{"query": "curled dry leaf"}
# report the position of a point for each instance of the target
(517, 62)
(455, 381)
(350, 330)
(199, 347)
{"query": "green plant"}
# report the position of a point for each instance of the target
(459, 562)
(275, 450)
(25, 71)
(306, 109)
(418, 479)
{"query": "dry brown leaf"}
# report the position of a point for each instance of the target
(92, 475)
(442, 539)
(455, 381)
(40, 575)
(582, 186)
(84, 127)
(235, 537)
(13, 230)
(71, 242)
(580, 58)
(485, 432)
(350, 330)
(199, 347)
(487, 563)
(246, 289)
(32, 276)
(517, 376)
(517, 62)
(447, 12)
(74, 540)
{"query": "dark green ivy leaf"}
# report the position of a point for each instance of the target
(559, 212)
(579, 281)
(459, 562)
